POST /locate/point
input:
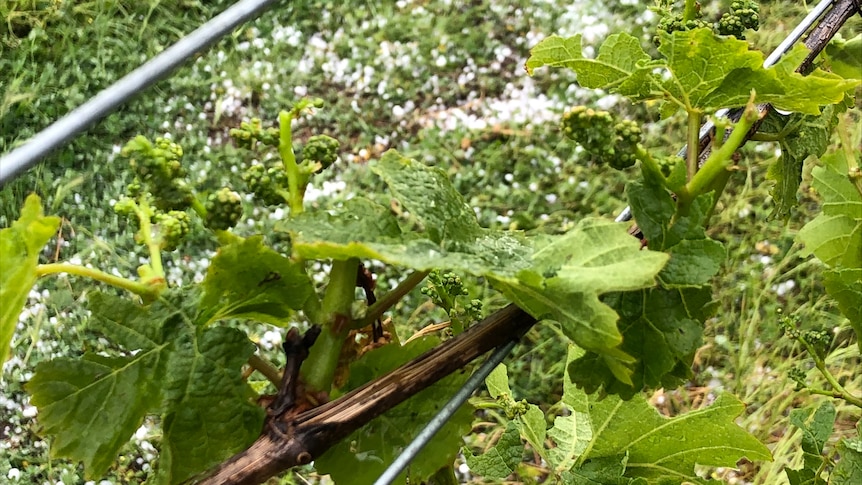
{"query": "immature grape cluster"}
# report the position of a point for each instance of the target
(443, 288)
(158, 168)
(743, 14)
(251, 132)
(266, 183)
(321, 149)
(224, 209)
(172, 228)
(603, 137)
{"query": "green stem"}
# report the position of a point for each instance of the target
(199, 208)
(285, 150)
(135, 287)
(649, 165)
(146, 233)
(719, 160)
(388, 300)
(268, 370)
(318, 371)
(693, 141)
(821, 366)
(690, 12)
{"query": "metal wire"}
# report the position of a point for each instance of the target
(99, 106)
(444, 415)
(784, 47)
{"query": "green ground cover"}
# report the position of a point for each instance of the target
(440, 81)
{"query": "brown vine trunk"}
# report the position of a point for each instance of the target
(292, 439)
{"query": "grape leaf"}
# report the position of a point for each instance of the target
(450, 235)
(498, 382)
(20, 245)
(533, 428)
(848, 470)
(617, 59)
(661, 327)
(706, 72)
(502, 459)
(570, 271)
(571, 433)
(844, 57)
(188, 374)
(93, 405)
(845, 286)
(816, 426)
(808, 136)
(666, 450)
(835, 235)
(247, 279)
(608, 470)
(597, 256)
(364, 455)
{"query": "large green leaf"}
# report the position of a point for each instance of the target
(705, 72)
(666, 450)
(618, 58)
(604, 439)
(248, 279)
(569, 272)
(363, 456)
(661, 327)
(187, 374)
(20, 245)
(558, 277)
(92, 406)
(449, 236)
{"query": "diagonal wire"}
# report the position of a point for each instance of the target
(66, 128)
(444, 414)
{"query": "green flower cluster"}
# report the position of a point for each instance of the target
(603, 137)
(268, 184)
(251, 132)
(321, 149)
(158, 170)
(743, 14)
(224, 209)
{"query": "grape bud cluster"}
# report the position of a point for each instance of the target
(321, 149)
(266, 183)
(743, 14)
(159, 171)
(172, 228)
(224, 209)
(251, 132)
(605, 138)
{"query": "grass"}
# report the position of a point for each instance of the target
(440, 81)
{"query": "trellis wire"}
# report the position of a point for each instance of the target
(784, 47)
(445, 413)
(66, 128)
